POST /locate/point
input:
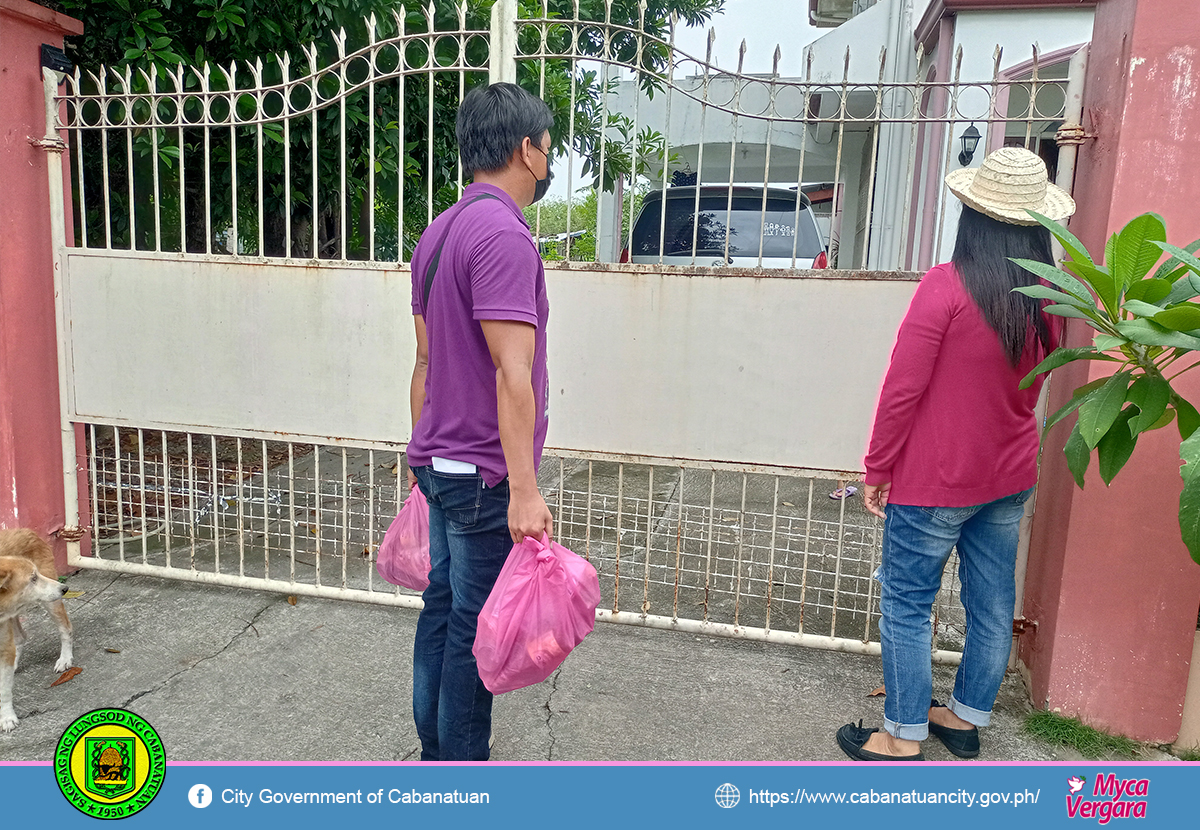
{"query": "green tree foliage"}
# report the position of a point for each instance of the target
(226, 38)
(1147, 324)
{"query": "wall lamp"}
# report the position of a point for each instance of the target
(970, 140)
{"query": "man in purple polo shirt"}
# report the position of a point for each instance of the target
(478, 396)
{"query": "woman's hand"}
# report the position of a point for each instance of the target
(875, 497)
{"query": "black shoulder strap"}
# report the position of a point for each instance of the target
(431, 269)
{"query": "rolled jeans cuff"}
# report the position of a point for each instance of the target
(906, 731)
(974, 717)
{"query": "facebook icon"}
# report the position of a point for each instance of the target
(200, 796)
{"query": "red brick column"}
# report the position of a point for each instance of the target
(1110, 583)
(31, 455)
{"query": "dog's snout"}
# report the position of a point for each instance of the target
(62, 587)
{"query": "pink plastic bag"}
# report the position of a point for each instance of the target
(542, 605)
(404, 553)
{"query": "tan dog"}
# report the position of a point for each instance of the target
(27, 576)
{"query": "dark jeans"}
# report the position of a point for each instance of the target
(468, 543)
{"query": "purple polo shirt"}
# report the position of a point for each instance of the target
(489, 270)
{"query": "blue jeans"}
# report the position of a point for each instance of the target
(468, 543)
(916, 544)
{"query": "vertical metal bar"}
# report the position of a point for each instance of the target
(951, 110)
(315, 225)
(104, 123)
(259, 116)
(266, 521)
(662, 219)
(903, 259)
(807, 106)
(432, 63)
(231, 79)
(617, 570)
(371, 515)
(317, 510)
(374, 54)
(345, 517)
(837, 573)
(153, 102)
(649, 534)
(344, 197)
(712, 496)
(561, 507)
(286, 115)
(1033, 90)
(95, 496)
(241, 512)
(129, 157)
(678, 546)
(735, 107)
(807, 541)
(292, 510)
(191, 490)
(401, 152)
(462, 81)
(741, 525)
(866, 241)
(216, 505)
(635, 165)
(79, 121)
(204, 88)
(142, 487)
(712, 36)
(771, 555)
(166, 498)
(772, 114)
(871, 577)
(587, 540)
(177, 82)
(835, 260)
(120, 506)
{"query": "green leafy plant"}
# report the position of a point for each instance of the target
(1148, 325)
(1072, 732)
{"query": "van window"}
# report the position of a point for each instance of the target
(744, 226)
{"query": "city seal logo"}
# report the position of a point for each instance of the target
(110, 763)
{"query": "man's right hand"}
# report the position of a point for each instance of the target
(528, 515)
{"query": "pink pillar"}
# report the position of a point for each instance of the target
(1110, 583)
(31, 457)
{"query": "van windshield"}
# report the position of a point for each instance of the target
(744, 225)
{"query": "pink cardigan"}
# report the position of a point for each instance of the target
(952, 429)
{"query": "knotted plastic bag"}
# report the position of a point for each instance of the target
(404, 553)
(542, 605)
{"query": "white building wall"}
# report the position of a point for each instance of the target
(978, 33)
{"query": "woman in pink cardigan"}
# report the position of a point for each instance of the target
(953, 456)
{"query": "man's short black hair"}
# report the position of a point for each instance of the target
(493, 121)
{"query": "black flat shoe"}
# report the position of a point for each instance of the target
(961, 742)
(851, 739)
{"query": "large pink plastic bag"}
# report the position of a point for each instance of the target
(542, 605)
(404, 553)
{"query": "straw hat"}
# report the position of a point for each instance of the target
(1011, 181)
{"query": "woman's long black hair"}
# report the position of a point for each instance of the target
(981, 256)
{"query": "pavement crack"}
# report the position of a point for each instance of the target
(550, 713)
(213, 656)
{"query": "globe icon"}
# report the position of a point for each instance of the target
(728, 796)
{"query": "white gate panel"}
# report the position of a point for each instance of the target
(766, 370)
(320, 352)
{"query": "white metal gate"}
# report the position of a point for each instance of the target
(234, 342)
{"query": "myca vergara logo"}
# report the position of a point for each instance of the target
(1110, 798)
(110, 763)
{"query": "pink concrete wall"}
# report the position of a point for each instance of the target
(31, 480)
(1110, 583)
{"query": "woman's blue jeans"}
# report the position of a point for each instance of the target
(468, 543)
(916, 545)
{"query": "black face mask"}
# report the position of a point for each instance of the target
(542, 185)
